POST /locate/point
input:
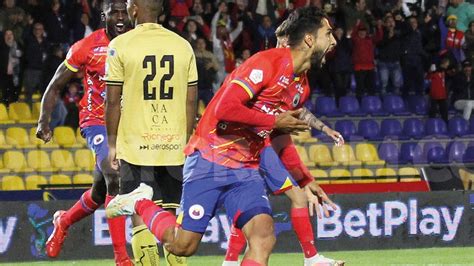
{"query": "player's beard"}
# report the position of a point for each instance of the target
(317, 59)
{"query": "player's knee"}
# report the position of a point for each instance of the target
(185, 249)
(262, 236)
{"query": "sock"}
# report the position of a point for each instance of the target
(82, 208)
(248, 262)
(117, 233)
(145, 250)
(237, 243)
(157, 219)
(173, 260)
(304, 230)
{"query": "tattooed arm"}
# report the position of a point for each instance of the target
(314, 122)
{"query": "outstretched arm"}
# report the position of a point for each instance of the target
(314, 122)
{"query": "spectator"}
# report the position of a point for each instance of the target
(56, 25)
(53, 60)
(358, 12)
(438, 91)
(71, 102)
(9, 68)
(463, 11)
(389, 57)
(469, 44)
(8, 13)
(35, 55)
(453, 39)
(431, 32)
(412, 58)
(266, 38)
(464, 90)
(340, 65)
(363, 57)
(207, 66)
(243, 56)
(194, 28)
(180, 8)
(222, 42)
(82, 29)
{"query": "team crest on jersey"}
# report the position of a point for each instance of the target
(296, 99)
(98, 139)
(256, 76)
(196, 212)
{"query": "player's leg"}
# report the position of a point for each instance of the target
(62, 220)
(247, 205)
(235, 245)
(170, 182)
(144, 246)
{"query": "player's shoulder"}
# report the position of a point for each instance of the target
(97, 37)
(269, 59)
(176, 39)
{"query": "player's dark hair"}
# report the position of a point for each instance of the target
(282, 30)
(303, 21)
(155, 7)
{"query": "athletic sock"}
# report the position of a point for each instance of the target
(117, 233)
(249, 262)
(145, 250)
(237, 243)
(304, 230)
(157, 219)
(82, 208)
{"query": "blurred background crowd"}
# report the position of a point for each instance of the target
(400, 47)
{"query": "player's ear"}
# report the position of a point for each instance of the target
(308, 39)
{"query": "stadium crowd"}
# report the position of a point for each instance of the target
(392, 46)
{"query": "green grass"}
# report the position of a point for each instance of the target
(433, 256)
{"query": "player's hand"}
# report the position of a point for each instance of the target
(317, 197)
(43, 132)
(336, 136)
(289, 122)
(114, 163)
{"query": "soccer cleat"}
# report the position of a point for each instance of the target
(320, 260)
(125, 204)
(126, 262)
(56, 239)
(230, 263)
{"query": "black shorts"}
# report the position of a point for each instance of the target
(166, 182)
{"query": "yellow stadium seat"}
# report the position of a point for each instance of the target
(321, 156)
(3, 170)
(201, 107)
(345, 155)
(362, 172)
(367, 154)
(318, 173)
(12, 182)
(408, 171)
(40, 143)
(386, 175)
(60, 180)
(65, 137)
(18, 137)
(63, 160)
(20, 112)
(15, 162)
(80, 139)
(3, 142)
(4, 119)
(36, 110)
(39, 161)
(84, 159)
(34, 181)
(303, 154)
(336, 173)
(304, 137)
(82, 179)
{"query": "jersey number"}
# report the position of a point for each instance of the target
(165, 93)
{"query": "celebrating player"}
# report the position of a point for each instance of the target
(151, 106)
(259, 97)
(88, 55)
(275, 178)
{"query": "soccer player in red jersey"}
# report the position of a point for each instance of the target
(88, 55)
(259, 101)
(275, 179)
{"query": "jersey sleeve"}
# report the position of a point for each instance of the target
(114, 69)
(192, 71)
(254, 74)
(77, 56)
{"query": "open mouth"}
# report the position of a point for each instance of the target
(120, 27)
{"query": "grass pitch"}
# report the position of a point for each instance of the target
(432, 256)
